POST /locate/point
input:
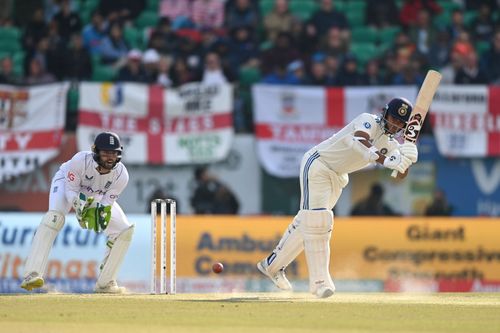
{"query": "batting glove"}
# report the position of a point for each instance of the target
(409, 150)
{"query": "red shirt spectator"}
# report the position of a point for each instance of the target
(409, 12)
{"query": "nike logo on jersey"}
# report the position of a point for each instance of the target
(89, 178)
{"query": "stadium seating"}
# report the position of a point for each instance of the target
(147, 18)
(364, 34)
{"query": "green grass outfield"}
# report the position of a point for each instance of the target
(259, 312)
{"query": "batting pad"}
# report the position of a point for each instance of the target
(288, 248)
(115, 258)
(316, 229)
(42, 242)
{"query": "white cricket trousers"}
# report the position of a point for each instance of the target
(320, 186)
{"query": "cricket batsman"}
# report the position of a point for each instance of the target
(323, 174)
(89, 183)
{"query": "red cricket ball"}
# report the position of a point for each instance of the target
(217, 267)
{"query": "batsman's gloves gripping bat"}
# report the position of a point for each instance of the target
(397, 161)
(409, 149)
(97, 218)
(81, 204)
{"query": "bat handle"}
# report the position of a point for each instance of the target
(394, 173)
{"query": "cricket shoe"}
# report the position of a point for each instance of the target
(324, 291)
(32, 281)
(278, 278)
(110, 288)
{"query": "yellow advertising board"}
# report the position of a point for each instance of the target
(362, 248)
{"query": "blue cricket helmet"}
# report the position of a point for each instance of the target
(107, 141)
(400, 108)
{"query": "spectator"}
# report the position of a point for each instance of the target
(409, 75)
(451, 69)
(381, 13)
(94, 33)
(372, 75)
(409, 12)
(114, 49)
(280, 75)
(35, 30)
(133, 70)
(225, 202)
(472, 5)
(213, 72)
(42, 54)
(483, 26)
(208, 13)
(333, 68)
(78, 64)
(318, 75)
(211, 196)
(374, 204)
(280, 19)
(37, 73)
(190, 49)
(242, 13)
(243, 50)
(68, 21)
(297, 71)
(439, 52)
(422, 33)
(164, 66)
(470, 72)
(151, 60)
(180, 72)
(121, 11)
(334, 44)
(179, 12)
(7, 76)
(489, 61)
(325, 18)
(349, 75)
(283, 52)
(457, 25)
(439, 205)
(163, 38)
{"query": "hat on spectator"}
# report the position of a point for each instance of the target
(318, 57)
(294, 65)
(151, 56)
(134, 54)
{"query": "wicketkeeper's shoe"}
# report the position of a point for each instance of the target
(278, 278)
(325, 291)
(32, 281)
(110, 288)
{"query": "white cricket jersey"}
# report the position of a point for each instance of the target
(81, 175)
(336, 151)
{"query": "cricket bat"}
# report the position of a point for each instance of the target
(422, 104)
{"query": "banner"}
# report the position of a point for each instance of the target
(30, 192)
(291, 120)
(31, 126)
(240, 172)
(403, 251)
(466, 120)
(191, 124)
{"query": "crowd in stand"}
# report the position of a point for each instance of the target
(220, 41)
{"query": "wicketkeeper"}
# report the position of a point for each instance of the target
(89, 183)
(323, 174)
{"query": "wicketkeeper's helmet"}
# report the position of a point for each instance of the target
(107, 141)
